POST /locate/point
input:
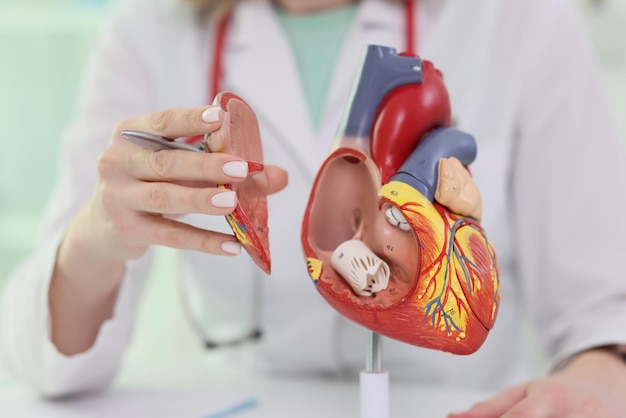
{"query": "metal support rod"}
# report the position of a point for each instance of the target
(374, 362)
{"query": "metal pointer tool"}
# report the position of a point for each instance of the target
(157, 143)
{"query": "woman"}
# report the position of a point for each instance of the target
(522, 80)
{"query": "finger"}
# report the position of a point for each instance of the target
(178, 165)
(495, 406)
(174, 199)
(178, 122)
(170, 233)
(277, 178)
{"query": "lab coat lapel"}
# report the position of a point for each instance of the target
(260, 65)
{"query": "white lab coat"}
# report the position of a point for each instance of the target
(522, 80)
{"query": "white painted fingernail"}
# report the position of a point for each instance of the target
(237, 169)
(223, 199)
(231, 247)
(212, 114)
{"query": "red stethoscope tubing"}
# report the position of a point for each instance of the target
(218, 56)
(222, 29)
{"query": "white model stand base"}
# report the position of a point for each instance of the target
(374, 381)
(374, 394)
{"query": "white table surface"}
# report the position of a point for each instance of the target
(184, 391)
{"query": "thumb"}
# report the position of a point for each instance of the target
(277, 178)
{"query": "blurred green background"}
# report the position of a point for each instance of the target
(44, 48)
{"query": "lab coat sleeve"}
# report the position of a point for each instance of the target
(117, 86)
(569, 190)
(25, 338)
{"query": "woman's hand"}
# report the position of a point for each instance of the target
(139, 192)
(591, 386)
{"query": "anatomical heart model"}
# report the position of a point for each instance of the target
(391, 232)
(239, 135)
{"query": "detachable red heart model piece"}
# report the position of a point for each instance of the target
(239, 135)
(391, 232)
